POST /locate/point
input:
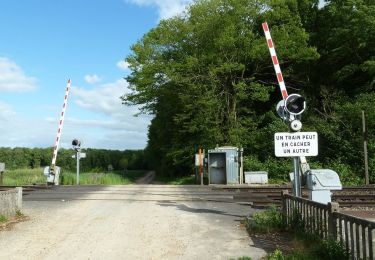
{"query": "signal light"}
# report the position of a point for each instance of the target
(76, 142)
(295, 104)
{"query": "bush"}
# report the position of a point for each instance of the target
(345, 173)
(276, 255)
(331, 250)
(277, 168)
(266, 221)
(252, 163)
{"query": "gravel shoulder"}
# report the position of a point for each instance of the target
(129, 222)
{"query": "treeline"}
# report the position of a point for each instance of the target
(207, 77)
(96, 159)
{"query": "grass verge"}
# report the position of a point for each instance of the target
(24, 177)
(32, 176)
(268, 229)
(110, 178)
(7, 223)
(3, 219)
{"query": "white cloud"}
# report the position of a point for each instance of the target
(96, 117)
(92, 79)
(119, 129)
(166, 8)
(105, 98)
(13, 79)
(123, 65)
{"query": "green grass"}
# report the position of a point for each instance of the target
(304, 246)
(111, 178)
(32, 176)
(3, 219)
(24, 176)
(266, 221)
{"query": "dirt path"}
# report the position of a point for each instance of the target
(147, 179)
(129, 222)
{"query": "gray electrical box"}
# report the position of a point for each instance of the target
(320, 183)
(256, 177)
(52, 178)
(223, 165)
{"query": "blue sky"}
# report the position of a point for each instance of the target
(43, 43)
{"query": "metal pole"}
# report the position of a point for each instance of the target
(241, 166)
(77, 156)
(367, 181)
(297, 180)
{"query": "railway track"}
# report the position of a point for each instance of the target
(26, 189)
(261, 196)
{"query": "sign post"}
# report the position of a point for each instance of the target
(301, 144)
(296, 176)
(290, 109)
(296, 145)
(78, 157)
(77, 147)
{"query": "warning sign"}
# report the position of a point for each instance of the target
(296, 144)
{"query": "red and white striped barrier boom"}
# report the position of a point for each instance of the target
(60, 126)
(275, 61)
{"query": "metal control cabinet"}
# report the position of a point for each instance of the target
(320, 183)
(52, 178)
(223, 165)
(256, 177)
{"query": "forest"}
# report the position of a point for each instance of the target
(97, 160)
(207, 78)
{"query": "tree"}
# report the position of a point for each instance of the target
(343, 80)
(207, 77)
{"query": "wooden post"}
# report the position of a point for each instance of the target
(332, 223)
(367, 181)
(201, 165)
(196, 174)
(204, 168)
(284, 208)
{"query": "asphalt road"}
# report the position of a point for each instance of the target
(130, 222)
